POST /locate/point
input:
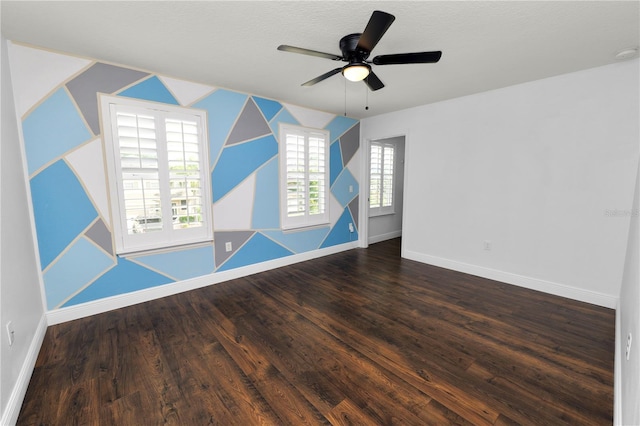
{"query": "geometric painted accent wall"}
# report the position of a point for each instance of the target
(68, 179)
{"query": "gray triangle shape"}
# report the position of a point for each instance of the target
(100, 234)
(220, 240)
(103, 78)
(353, 208)
(349, 143)
(250, 125)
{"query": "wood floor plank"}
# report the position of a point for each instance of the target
(40, 404)
(359, 337)
(78, 404)
(235, 391)
(245, 354)
(518, 402)
(290, 404)
(292, 407)
(131, 409)
(421, 376)
(318, 388)
(354, 375)
(347, 413)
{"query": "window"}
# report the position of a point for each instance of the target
(304, 176)
(381, 178)
(158, 168)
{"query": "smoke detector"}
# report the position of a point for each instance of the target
(627, 54)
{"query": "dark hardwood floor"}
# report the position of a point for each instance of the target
(361, 337)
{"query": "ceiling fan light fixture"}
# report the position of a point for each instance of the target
(356, 71)
(357, 47)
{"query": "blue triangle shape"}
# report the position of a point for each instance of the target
(258, 249)
(126, 277)
(268, 107)
(340, 233)
(150, 89)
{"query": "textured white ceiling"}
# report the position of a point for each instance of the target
(485, 44)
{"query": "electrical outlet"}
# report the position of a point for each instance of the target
(350, 188)
(627, 352)
(227, 246)
(351, 227)
(487, 245)
(11, 332)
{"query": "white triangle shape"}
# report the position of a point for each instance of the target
(35, 73)
(186, 92)
(310, 117)
(354, 165)
(234, 211)
(88, 163)
(335, 210)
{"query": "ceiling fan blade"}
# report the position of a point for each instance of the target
(309, 52)
(378, 24)
(408, 58)
(373, 82)
(322, 77)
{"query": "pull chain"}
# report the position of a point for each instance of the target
(345, 97)
(366, 88)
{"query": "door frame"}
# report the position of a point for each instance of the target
(365, 163)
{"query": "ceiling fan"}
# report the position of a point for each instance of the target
(356, 49)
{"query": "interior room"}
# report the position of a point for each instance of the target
(320, 212)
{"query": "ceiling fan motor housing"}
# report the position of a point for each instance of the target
(350, 52)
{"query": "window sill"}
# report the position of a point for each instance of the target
(301, 228)
(378, 214)
(162, 250)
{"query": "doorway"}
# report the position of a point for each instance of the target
(385, 179)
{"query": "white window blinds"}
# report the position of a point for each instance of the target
(381, 178)
(305, 175)
(157, 174)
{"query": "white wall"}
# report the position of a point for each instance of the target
(389, 226)
(629, 314)
(534, 168)
(20, 294)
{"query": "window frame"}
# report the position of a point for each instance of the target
(306, 220)
(167, 237)
(390, 209)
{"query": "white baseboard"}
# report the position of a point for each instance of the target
(550, 287)
(14, 404)
(115, 302)
(617, 374)
(384, 237)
